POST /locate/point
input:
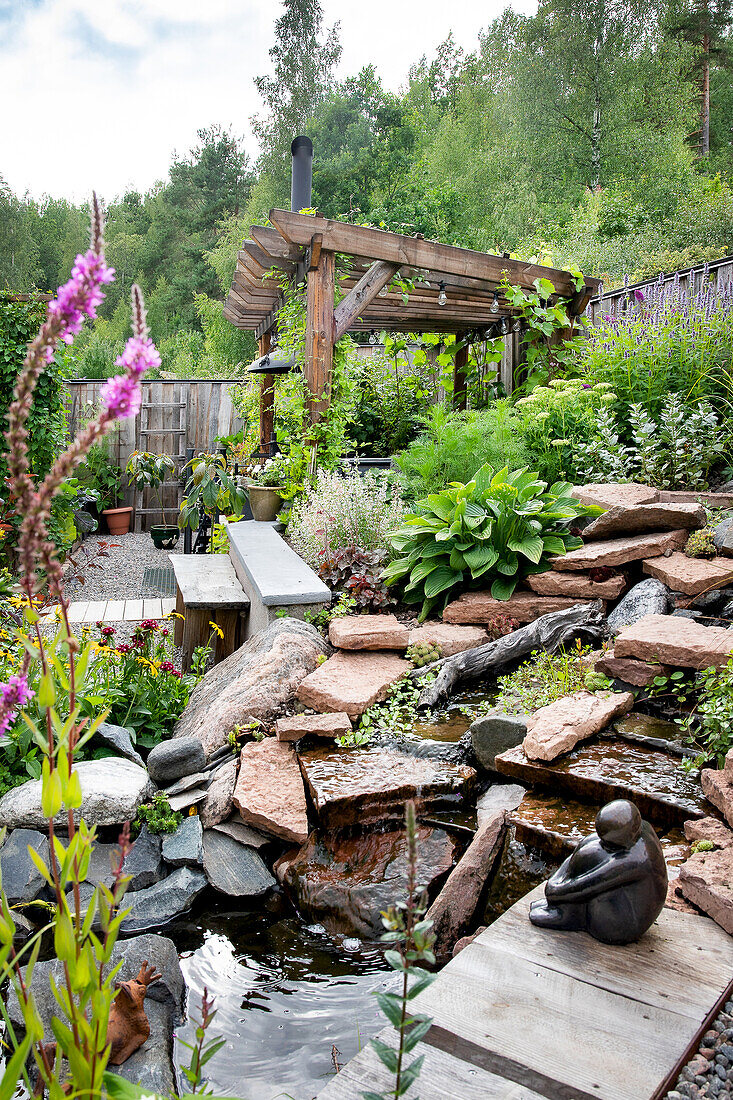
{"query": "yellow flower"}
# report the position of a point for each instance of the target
(176, 615)
(217, 630)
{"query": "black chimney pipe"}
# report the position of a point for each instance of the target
(302, 173)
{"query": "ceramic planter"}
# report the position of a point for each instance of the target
(118, 520)
(164, 535)
(265, 502)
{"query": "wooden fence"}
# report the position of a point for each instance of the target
(614, 302)
(176, 415)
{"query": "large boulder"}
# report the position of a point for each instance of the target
(22, 881)
(112, 790)
(257, 682)
(649, 597)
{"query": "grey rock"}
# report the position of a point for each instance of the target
(151, 1067)
(22, 881)
(104, 860)
(185, 847)
(118, 738)
(649, 597)
(243, 834)
(219, 800)
(449, 752)
(687, 613)
(723, 537)
(172, 759)
(711, 602)
(166, 900)
(496, 733)
(24, 929)
(233, 869)
(187, 798)
(258, 681)
(500, 796)
(144, 862)
(726, 612)
(188, 783)
(112, 790)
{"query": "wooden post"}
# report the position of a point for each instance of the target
(460, 395)
(319, 334)
(267, 398)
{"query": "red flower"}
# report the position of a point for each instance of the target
(108, 631)
(149, 624)
(165, 632)
(124, 648)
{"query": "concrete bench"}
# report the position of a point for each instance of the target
(207, 590)
(273, 576)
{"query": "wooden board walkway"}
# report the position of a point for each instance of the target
(524, 1013)
(114, 611)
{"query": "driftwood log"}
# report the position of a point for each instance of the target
(546, 633)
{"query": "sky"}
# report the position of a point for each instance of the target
(100, 93)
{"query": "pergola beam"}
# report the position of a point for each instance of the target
(361, 296)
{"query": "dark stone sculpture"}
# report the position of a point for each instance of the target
(128, 1026)
(614, 884)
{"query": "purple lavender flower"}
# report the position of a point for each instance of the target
(140, 355)
(82, 294)
(13, 695)
(639, 295)
(121, 396)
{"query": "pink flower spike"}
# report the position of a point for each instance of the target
(139, 356)
(13, 695)
(121, 396)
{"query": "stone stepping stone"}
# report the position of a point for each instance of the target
(359, 786)
(481, 607)
(612, 552)
(233, 869)
(577, 584)
(184, 848)
(682, 643)
(345, 882)
(185, 799)
(242, 833)
(451, 639)
(610, 494)
(706, 879)
(368, 632)
(337, 724)
(629, 670)
(643, 518)
(560, 726)
(351, 682)
(600, 771)
(112, 790)
(691, 576)
(269, 793)
(163, 902)
(21, 879)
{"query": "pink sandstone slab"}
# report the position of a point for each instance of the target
(611, 552)
(609, 494)
(451, 639)
(712, 500)
(709, 828)
(560, 726)
(351, 682)
(628, 669)
(691, 576)
(368, 632)
(315, 725)
(670, 640)
(642, 518)
(706, 879)
(481, 607)
(717, 786)
(269, 793)
(676, 900)
(577, 584)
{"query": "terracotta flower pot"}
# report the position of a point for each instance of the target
(118, 520)
(264, 501)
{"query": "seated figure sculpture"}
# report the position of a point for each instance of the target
(614, 884)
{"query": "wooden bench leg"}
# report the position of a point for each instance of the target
(228, 621)
(196, 632)
(180, 610)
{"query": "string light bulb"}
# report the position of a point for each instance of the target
(372, 337)
(384, 291)
(442, 296)
(495, 303)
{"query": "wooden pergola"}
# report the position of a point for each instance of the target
(456, 290)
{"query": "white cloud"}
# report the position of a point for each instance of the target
(103, 91)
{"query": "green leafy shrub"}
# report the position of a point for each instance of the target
(212, 486)
(493, 531)
(710, 727)
(557, 419)
(453, 445)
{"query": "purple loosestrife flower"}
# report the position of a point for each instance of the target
(139, 356)
(13, 695)
(639, 295)
(81, 295)
(121, 396)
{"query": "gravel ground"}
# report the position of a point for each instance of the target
(121, 574)
(710, 1072)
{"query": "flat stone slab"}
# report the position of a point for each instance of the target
(233, 869)
(525, 607)
(670, 640)
(709, 828)
(577, 584)
(706, 879)
(269, 793)
(642, 518)
(691, 576)
(336, 724)
(560, 726)
(500, 796)
(351, 682)
(717, 785)
(185, 846)
(368, 632)
(629, 669)
(358, 786)
(21, 879)
(611, 494)
(452, 639)
(163, 902)
(599, 771)
(112, 790)
(243, 834)
(612, 552)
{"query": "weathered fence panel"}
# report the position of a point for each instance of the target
(614, 302)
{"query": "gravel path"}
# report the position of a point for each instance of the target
(710, 1072)
(119, 576)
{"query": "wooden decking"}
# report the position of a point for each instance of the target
(524, 1013)
(114, 611)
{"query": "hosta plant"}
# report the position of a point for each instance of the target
(492, 532)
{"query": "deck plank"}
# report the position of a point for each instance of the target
(115, 612)
(133, 611)
(77, 611)
(152, 608)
